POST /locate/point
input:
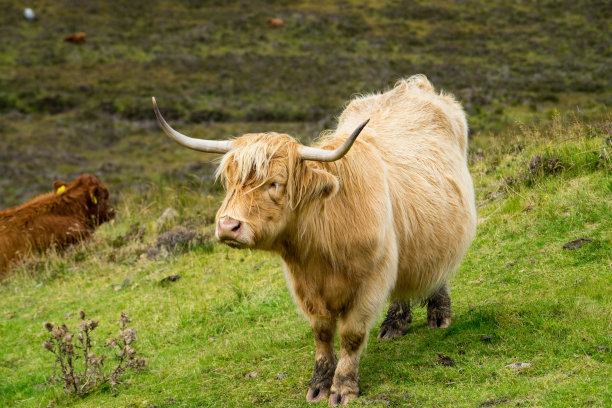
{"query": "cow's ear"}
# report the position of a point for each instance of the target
(325, 185)
(93, 194)
(59, 186)
(308, 183)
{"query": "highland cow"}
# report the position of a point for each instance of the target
(67, 215)
(390, 217)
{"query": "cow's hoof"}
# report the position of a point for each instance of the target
(321, 380)
(387, 332)
(336, 399)
(439, 309)
(316, 394)
(439, 322)
(397, 320)
(344, 390)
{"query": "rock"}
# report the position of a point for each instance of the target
(29, 14)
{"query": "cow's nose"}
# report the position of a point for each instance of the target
(228, 228)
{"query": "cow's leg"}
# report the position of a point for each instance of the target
(397, 320)
(439, 308)
(325, 360)
(353, 332)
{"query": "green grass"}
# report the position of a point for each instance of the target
(230, 313)
(535, 79)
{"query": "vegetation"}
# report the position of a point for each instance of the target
(80, 370)
(217, 325)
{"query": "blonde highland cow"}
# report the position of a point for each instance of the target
(356, 221)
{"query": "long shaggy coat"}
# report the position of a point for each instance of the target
(65, 216)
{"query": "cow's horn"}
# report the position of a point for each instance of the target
(210, 146)
(316, 154)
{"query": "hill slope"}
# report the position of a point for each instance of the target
(227, 334)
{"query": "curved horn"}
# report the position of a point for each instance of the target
(316, 154)
(210, 146)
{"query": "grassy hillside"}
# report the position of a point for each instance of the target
(535, 80)
(227, 334)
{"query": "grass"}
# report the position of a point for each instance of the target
(227, 332)
(535, 81)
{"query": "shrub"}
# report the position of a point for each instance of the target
(540, 166)
(82, 378)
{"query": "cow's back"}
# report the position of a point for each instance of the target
(422, 138)
(34, 226)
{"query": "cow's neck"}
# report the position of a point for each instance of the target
(305, 245)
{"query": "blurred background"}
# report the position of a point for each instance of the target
(76, 77)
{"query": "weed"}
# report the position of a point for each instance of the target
(81, 379)
(541, 166)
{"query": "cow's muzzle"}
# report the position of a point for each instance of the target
(229, 230)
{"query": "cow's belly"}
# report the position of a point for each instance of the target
(432, 242)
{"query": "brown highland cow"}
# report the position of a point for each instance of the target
(390, 218)
(67, 215)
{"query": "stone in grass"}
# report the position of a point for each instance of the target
(252, 374)
(577, 243)
(29, 14)
(281, 376)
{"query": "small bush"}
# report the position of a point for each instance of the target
(540, 166)
(82, 377)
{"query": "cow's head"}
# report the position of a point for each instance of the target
(267, 178)
(90, 195)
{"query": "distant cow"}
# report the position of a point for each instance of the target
(76, 38)
(275, 22)
(66, 216)
(392, 217)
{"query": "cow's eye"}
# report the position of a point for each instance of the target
(273, 186)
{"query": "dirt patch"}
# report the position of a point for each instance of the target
(494, 401)
(446, 361)
(577, 243)
(171, 278)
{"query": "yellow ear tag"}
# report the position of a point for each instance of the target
(61, 189)
(93, 198)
